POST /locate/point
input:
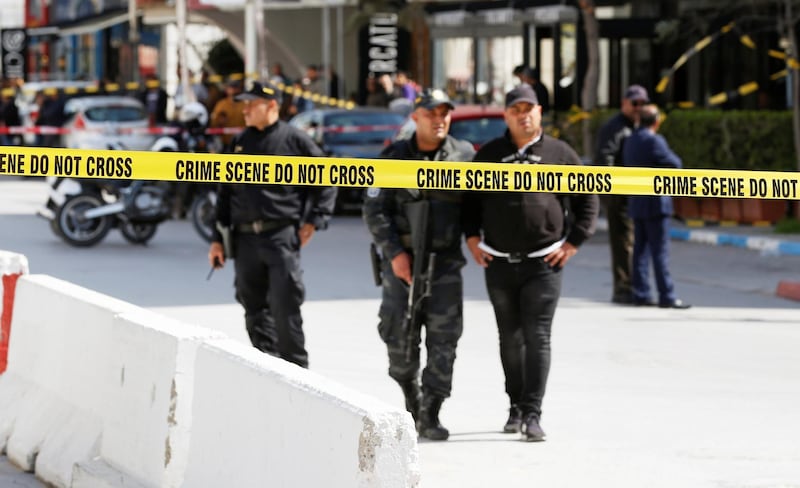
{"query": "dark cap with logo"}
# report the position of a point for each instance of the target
(430, 99)
(266, 91)
(637, 93)
(521, 93)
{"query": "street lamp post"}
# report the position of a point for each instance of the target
(133, 40)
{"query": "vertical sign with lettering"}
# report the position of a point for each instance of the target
(384, 47)
(13, 47)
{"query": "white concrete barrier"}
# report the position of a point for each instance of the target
(100, 393)
(92, 382)
(260, 421)
(12, 266)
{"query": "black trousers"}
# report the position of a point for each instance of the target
(620, 239)
(270, 288)
(524, 296)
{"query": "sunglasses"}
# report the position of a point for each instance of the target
(637, 103)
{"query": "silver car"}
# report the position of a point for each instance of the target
(107, 122)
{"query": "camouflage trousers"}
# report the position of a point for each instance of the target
(441, 320)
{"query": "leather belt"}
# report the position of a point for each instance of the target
(261, 226)
(517, 257)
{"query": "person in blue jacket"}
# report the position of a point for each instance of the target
(651, 214)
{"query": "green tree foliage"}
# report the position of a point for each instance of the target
(224, 59)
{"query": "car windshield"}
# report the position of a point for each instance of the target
(478, 131)
(116, 113)
(361, 127)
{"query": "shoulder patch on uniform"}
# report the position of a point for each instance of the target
(373, 192)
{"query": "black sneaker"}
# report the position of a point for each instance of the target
(531, 431)
(679, 304)
(514, 421)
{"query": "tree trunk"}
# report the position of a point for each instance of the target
(590, 80)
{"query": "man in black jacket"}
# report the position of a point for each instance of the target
(524, 240)
(270, 224)
(387, 214)
(610, 142)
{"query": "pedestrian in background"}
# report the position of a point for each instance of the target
(9, 114)
(154, 98)
(387, 213)
(523, 240)
(229, 112)
(529, 75)
(651, 214)
(610, 142)
(269, 224)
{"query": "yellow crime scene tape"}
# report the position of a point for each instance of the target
(388, 173)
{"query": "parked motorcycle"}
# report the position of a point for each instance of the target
(203, 213)
(83, 212)
(199, 198)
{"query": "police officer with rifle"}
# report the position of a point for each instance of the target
(418, 233)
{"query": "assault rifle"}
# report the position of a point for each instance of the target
(422, 267)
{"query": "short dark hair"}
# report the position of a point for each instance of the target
(649, 115)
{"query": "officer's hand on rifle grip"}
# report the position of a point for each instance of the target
(401, 266)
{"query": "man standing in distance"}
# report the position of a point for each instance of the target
(523, 240)
(387, 213)
(610, 142)
(270, 223)
(651, 214)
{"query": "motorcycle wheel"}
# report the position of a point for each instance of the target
(76, 230)
(204, 213)
(138, 233)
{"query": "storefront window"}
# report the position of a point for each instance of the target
(453, 67)
(568, 55)
(86, 57)
(497, 58)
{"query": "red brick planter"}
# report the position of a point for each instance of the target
(687, 207)
(731, 209)
(711, 209)
(763, 210)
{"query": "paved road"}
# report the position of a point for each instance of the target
(638, 397)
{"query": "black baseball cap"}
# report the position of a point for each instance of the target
(637, 93)
(265, 91)
(521, 93)
(430, 99)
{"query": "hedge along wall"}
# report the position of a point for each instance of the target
(751, 140)
(735, 139)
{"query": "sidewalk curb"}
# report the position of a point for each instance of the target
(766, 245)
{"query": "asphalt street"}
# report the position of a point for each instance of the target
(705, 397)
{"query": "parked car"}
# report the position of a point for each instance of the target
(477, 124)
(107, 122)
(357, 133)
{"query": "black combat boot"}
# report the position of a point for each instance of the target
(413, 396)
(428, 424)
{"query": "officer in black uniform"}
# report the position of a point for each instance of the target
(610, 142)
(270, 224)
(526, 241)
(387, 214)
